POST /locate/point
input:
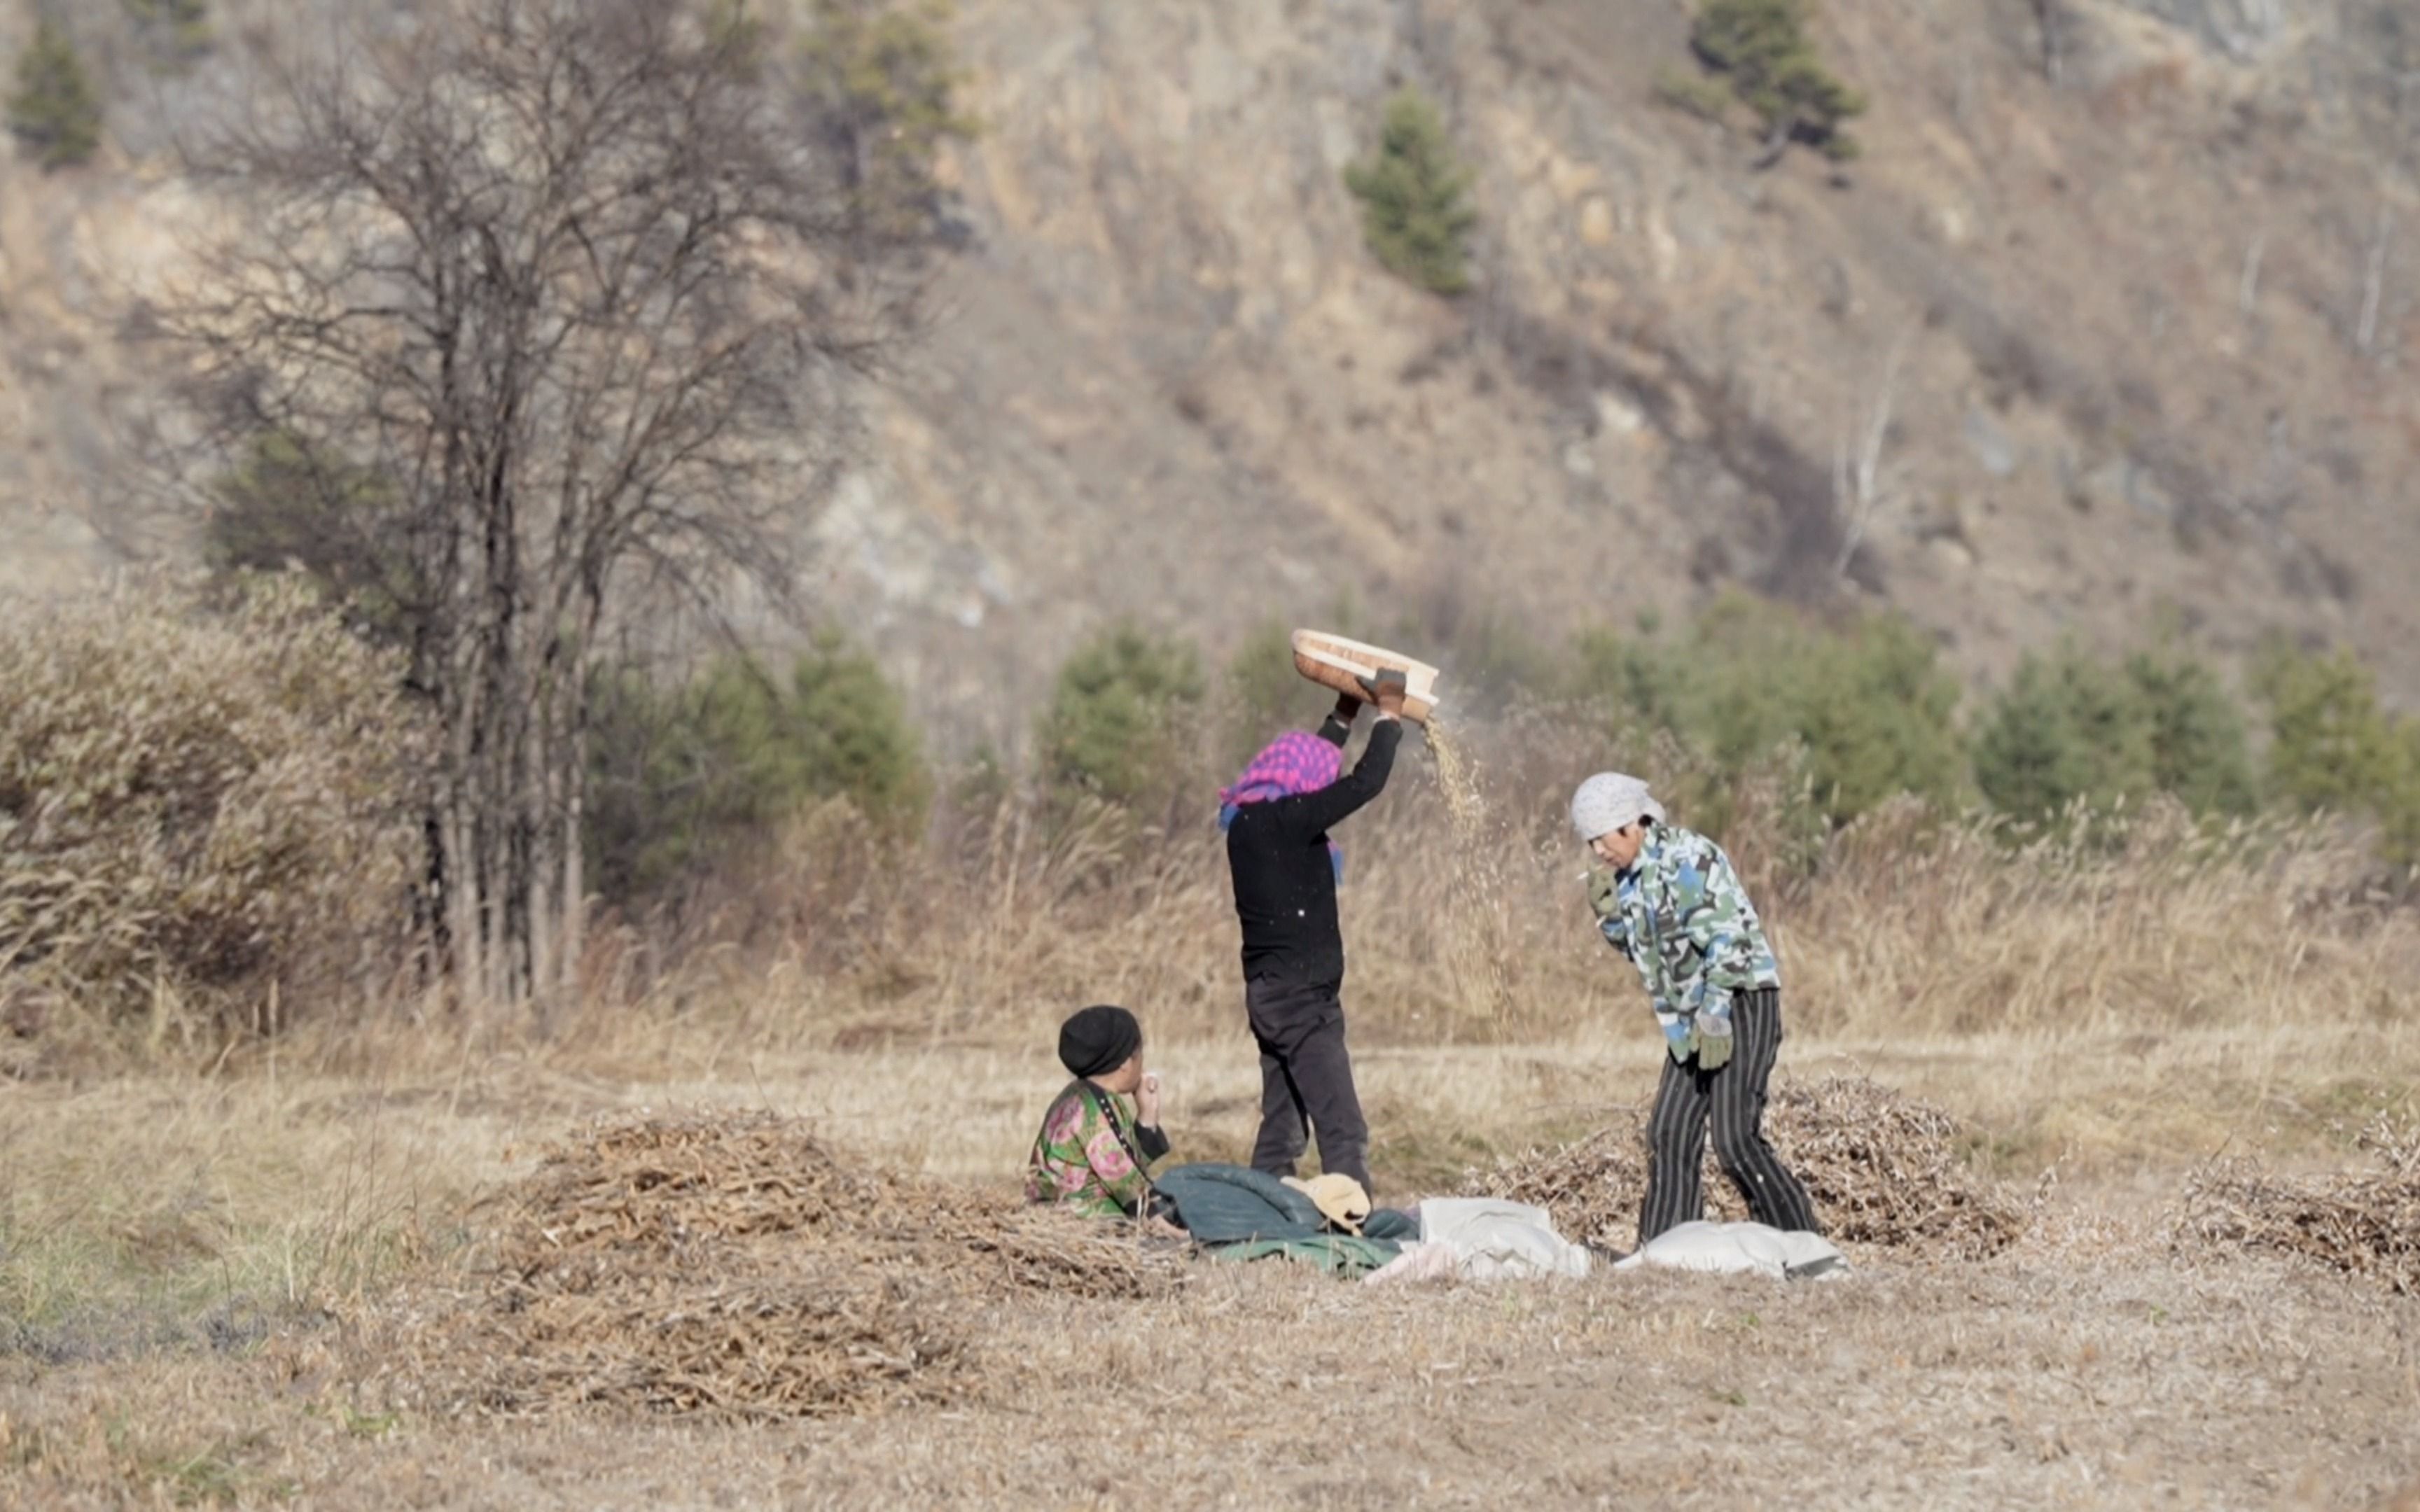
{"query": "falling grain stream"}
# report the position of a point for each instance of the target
(1477, 937)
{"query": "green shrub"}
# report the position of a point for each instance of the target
(1494, 656)
(197, 805)
(1413, 213)
(687, 778)
(1638, 676)
(2069, 728)
(2074, 729)
(1694, 94)
(1870, 704)
(1876, 710)
(55, 108)
(1112, 725)
(2200, 752)
(2332, 746)
(1761, 48)
(176, 31)
(288, 505)
(883, 77)
(854, 739)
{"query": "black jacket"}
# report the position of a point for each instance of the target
(1285, 883)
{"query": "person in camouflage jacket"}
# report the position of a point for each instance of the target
(1670, 901)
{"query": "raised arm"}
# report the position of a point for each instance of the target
(1338, 727)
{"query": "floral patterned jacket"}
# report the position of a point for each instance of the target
(1091, 1155)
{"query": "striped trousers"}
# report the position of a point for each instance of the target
(1731, 1100)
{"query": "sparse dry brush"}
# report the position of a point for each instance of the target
(2363, 1223)
(1908, 925)
(255, 849)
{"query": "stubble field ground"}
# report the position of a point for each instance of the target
(195, 1264)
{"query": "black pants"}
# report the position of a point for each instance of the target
(1732, 1100)
(1306, 1079)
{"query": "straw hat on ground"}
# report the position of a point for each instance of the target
(1339, 1198)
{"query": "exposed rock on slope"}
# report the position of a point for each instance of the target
(2090, 348)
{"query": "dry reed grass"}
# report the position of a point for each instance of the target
(1466, 923)
(1884, 1169)
(200, 817)
(734, 1266)
(2361, 1223)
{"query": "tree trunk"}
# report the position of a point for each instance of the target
(2052, 24)
(575, 884)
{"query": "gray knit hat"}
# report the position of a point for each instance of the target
(1610, 801)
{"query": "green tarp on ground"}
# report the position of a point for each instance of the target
(1336, 1254)
(1237, 1213)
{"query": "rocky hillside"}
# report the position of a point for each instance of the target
(2053, 355)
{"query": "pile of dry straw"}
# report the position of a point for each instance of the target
(2364, 1224)
(734, 1266)
(1882, 1169)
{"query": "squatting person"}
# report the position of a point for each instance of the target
(1285, 869)
(1669, 899)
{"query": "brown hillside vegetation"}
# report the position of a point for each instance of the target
(2050, 354)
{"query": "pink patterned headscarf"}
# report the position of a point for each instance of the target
(1296, 763)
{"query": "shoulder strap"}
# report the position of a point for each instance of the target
(1107, 1107)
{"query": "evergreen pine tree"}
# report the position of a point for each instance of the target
(1412, 207)
(55, 108)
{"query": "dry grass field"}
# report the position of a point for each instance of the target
(236, 1273)
(202, 1273)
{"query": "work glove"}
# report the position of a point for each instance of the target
(1714, 1051)
(1713, 1033)
(1604, 891)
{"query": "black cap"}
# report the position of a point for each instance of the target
(1098, 1039)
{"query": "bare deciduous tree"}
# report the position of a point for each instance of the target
(570, 280)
